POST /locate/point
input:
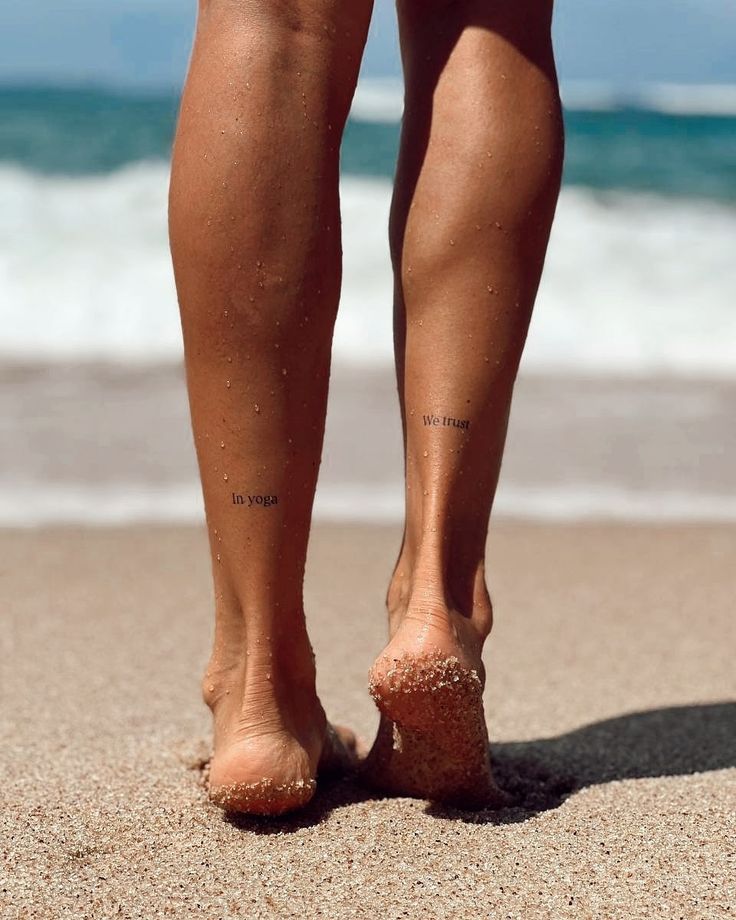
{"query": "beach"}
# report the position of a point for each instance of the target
(101, 443)
(611, 686)
(609, 699)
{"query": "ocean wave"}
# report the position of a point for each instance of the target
(633, 283)
(378, 99)
(666, 98)
(382, 99)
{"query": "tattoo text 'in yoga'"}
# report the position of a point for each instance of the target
(263, 500)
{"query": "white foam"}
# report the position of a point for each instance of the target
(37, 505)
(668, 98)
(378, 99)
(381, 99)
(633, 284)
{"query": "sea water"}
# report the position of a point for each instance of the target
(640, 274)
(640, 278)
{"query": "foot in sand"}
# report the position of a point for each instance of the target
(271, 737)
(428, 685)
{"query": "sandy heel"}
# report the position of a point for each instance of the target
(409, 763)
(262, 798)
(433, 741)
(269, 796)
(429, 694)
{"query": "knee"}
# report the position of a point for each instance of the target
(317, 42)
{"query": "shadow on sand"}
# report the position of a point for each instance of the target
(539, 775)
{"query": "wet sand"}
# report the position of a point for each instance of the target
(611, 709)
(99, 442)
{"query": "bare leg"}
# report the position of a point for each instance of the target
(255, 236)
(475, 194)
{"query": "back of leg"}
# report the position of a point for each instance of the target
(255, 238)
(477, 185)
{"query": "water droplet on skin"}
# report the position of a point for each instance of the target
(421, 322)
(283, 371)
(229, 360)
(222, 444)
(259, 263)
(218, 557)
(227, 384)
(225, 476)
(212, 688)
(426, 453)
(426, 492)
(257, 407)
(452, 242)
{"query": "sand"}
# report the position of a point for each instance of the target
(610, 700)
(87, 441)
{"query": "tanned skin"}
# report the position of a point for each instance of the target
(255, 239)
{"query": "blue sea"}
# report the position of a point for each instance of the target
(639, 279)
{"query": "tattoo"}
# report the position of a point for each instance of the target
(251, 500)
(432, 421)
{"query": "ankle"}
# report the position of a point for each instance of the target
(426, 591)
(274, 667)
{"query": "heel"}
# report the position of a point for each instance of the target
(428, 694)
(410, 763)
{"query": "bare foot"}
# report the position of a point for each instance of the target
(271, 741)
(428, 685)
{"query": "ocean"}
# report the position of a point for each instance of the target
(639, 283)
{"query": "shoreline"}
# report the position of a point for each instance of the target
(102, 444)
